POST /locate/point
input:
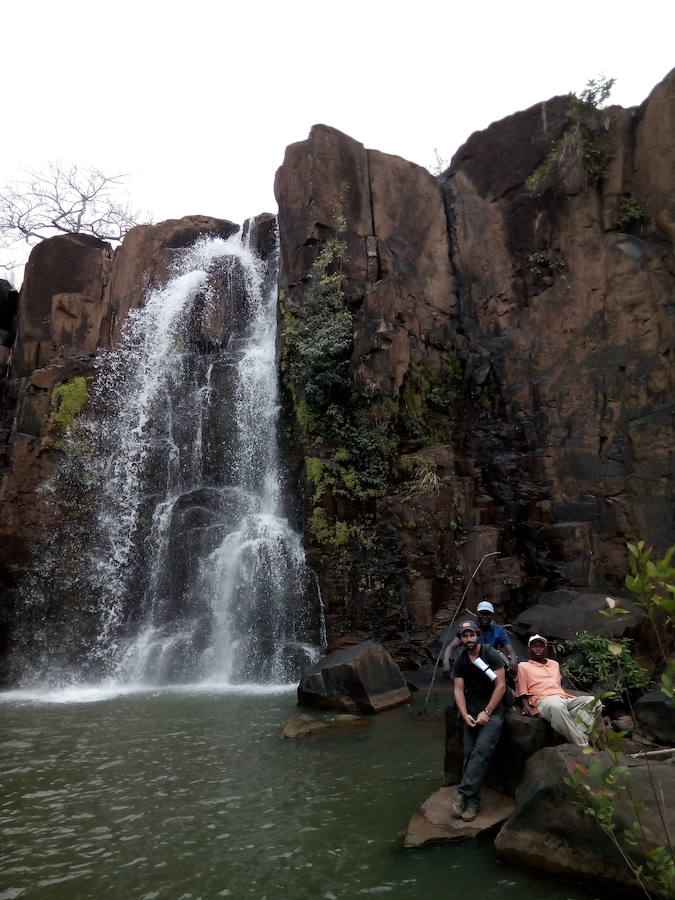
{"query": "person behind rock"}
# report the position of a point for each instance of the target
(479, 689)
(539, 686)
(491, 635)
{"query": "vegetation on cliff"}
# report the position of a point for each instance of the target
(360, 446)
(68, 399)
(583, 144)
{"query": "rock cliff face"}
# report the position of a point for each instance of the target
(473, 364)
(511, 360)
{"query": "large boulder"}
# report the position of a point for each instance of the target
(361, 678)
(549, 831)
(565, 614)
(656, 717)
(63, 310)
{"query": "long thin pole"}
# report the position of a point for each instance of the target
(459, 606)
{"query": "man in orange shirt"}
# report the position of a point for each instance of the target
(539, 686)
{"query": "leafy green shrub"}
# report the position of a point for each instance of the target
(605, 661)
(594, 96)
(629, 212)
(652, 583)
(334, 534)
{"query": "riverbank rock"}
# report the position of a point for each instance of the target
(362, 678)
(656, 718)
(433, 823)
(548, 831)
(306, 726)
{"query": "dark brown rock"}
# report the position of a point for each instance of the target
(565, 614)
(326, 172)
(361, 678)
(583, 392)
(655, 716)
(549, 832)
(62, 306)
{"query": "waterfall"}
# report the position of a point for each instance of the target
(178, 563)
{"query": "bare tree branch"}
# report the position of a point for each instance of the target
(65, 199)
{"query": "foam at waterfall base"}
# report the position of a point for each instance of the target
(101, 693)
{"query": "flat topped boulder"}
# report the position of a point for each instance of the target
(361, 678)
(433, 823)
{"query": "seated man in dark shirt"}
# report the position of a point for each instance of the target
(479, 689)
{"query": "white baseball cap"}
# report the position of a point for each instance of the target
(485, 606)
(536, 637)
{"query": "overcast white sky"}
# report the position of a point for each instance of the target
(199, 99)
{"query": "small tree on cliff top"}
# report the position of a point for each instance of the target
(65, 199)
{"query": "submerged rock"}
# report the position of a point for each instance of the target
(305, 725)
(364, 678)
(433, 823)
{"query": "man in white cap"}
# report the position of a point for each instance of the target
(539, 686)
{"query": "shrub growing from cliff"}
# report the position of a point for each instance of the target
(68, 400)
(318, 336)
(582, 144)
(629, 213)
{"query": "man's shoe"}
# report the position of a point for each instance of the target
(470, 812)
(459, 806)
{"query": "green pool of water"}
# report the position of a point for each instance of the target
(193, 794)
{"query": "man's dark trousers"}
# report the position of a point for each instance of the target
(479, 745)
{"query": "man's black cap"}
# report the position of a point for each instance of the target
(467, 625)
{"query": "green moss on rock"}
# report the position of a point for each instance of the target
(68, 399)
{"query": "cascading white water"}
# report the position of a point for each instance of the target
(190, 568)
